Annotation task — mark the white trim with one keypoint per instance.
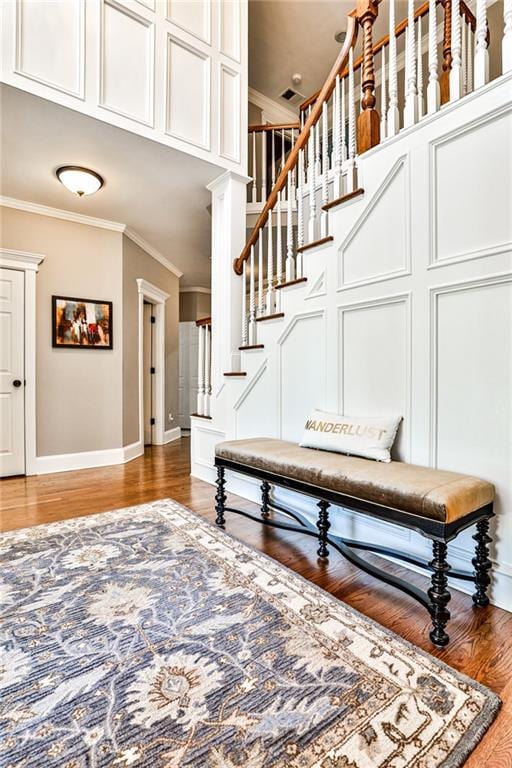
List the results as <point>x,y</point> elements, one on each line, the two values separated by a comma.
<point>66,462</point>
<point>195,289</point>
<point>227,176</point>
<point>170,435</point>
<point>29,264</point>
<point>274,112</point>
<point>90,221</point>
<point>158,298</point>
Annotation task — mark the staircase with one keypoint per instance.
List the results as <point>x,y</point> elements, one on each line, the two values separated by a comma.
<point>377,277</point>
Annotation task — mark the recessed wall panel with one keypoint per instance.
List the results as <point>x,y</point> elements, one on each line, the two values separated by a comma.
<point>229,114</point>
<point>375,363</point>
<point>229,28</point>
<point>194,16</point>
<point>127,63</point>
<point>188,93</point>
<point>50,43</point>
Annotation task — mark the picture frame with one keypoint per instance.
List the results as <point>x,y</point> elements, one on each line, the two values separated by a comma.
<point>81,323</point>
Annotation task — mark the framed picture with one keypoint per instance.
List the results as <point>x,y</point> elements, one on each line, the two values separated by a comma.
<point>81,323</point>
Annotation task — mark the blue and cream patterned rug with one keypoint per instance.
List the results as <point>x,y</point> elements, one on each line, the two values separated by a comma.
<point>147,637</point>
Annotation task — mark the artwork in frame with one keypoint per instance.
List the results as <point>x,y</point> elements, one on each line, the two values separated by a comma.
<point>81,323</point>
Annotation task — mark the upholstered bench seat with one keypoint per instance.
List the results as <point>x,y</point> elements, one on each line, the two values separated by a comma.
<point>429,493</point>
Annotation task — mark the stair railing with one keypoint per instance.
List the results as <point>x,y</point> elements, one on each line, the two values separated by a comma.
<point>269,146</point>
<point>342,121</point>
<point>204,368</point>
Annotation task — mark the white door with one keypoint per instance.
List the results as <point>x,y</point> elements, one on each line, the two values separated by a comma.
<point>12,373</point>
<point>147,363</point>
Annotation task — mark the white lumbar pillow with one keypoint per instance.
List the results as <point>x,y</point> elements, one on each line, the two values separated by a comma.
<point>364,436</point>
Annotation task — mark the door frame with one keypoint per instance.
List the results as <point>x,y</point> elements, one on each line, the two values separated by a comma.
<point>28,263</point>
<point>157,297</point>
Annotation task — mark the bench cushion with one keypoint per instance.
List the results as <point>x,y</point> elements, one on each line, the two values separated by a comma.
<point>429,493</point>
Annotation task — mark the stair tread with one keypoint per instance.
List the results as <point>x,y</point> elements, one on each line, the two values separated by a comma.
<point>235,373</point>
<point>270,317</point>
<point>343,199</point>
<point>200,416</point>
<point>291,282</point>
<point>315,243</point>
<point>252,346</point>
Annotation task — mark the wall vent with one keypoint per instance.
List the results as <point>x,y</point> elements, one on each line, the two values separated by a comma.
<point>291,96</point>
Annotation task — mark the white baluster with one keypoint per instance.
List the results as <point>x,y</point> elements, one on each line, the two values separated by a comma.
<point>383,95</point>
<point>311,184</point>
<point>456,70</point>
<point>245,327</point>
<point>351,162</point>
<point>343,118</point>
<point>421,110</point>
<point>252,303</point>
<point>469,61</point>
<point>279,241</point>
<point>290,264</point>
<point>261,299</point>
<point>283,161</point>
<point>273,174</point>
<point>270,266</point>
<point>506,43</point>
<point>254,172</point>
<point>325,171</point>
<point>263,166</point>
<point>300,213</point>
<point>433,91</point>
<point>392,116</point>
<point>200,372</point>
<point>207,369</point>
<point>294,172</point>
<point>411,92</point>
<point>481,73</point>
<point>463,44</point>
<point>318,166</point>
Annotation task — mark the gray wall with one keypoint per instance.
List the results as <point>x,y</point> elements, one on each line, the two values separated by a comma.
<point>78,390</point>
<point>137,263</point>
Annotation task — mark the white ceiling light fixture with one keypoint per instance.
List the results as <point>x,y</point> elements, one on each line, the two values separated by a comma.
<point>80,181</point>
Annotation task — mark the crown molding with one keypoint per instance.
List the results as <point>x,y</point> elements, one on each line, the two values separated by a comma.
<point>90,221</point>
<point>195,289</point>
<point>274,112</point>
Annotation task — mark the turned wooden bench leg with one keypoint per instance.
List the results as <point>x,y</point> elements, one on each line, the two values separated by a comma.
<point>220,497</point>
<point>265,500</point>
<point>481,563</point>
<point>323,526</point>
<point>439,594</point>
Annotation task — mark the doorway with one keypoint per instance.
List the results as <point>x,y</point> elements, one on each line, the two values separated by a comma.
<point>148,372</point>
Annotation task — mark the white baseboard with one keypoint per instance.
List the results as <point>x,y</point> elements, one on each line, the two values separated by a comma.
<point>66,462</point>
<point>172,434</point>
<point>364,528</point>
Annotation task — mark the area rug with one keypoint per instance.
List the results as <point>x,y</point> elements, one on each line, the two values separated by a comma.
<point>148,637</point>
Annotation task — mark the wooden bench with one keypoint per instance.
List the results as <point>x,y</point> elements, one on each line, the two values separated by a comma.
<point>436,503</point>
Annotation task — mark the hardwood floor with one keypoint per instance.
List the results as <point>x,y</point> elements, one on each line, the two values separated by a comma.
<point>481,640</point>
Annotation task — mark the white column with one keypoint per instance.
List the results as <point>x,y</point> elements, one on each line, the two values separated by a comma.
<point>456,44</point>
<point>481,72</point>
<point>290,264</point>
<point>433,92</point>
<point>200,372</point>
<point>207,370</point>
<point>229,193</point>
<point>383,95</point>
<point>392,117</point>
<point>421,110</point>
<point>506,44</point>
<point>325,172</point>
<point>411,92</point>
<point>252,302</point>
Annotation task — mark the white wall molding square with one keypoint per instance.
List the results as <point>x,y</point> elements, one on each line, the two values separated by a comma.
<point>229,28</point>
<point>194,18</point>
<point>188,100</point>
<point>229,110</point>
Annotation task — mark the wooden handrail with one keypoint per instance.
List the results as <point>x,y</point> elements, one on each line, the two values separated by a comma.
<point>204,321</point>
<point>399,30</point>
<point>293,156</point>
<point>271,127</point>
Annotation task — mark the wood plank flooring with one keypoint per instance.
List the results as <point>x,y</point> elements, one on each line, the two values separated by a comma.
<point>481,640</point>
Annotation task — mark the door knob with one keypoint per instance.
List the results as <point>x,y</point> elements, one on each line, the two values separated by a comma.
<point>16,383</point>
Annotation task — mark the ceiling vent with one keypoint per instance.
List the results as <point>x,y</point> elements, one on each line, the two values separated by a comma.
<point>291,96</point>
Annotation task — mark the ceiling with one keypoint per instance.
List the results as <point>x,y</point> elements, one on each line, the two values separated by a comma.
<point>297,36</point>
<point>157,191</point>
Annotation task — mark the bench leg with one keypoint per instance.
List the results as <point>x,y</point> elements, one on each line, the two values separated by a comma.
<point>323,526</point>
<point>439,594</point>
<point>482,563</point>
<point>220,497</point>
<point>265,500</point>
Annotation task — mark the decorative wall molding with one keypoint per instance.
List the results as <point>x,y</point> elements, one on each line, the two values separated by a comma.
<point>170,435</point>
<point>401,166</point>
<point>91,221</point>
<point>205,35</point>
<point>175,110</point>
<point>67,462</point>
<point>229,48</point>
<point>229,104</point>
<point>195,289</point>
<point>318,288</point>
<point>273,111</point>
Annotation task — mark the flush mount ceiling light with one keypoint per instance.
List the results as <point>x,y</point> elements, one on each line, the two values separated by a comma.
<point>80,181</point>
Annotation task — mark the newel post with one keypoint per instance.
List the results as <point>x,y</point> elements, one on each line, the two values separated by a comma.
<point>368,123</point>
<point>444,80</point>
<point>229,193</point>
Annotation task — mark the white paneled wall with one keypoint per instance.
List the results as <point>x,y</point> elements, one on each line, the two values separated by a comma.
<point>174,71</point>
<point>408,311</point>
